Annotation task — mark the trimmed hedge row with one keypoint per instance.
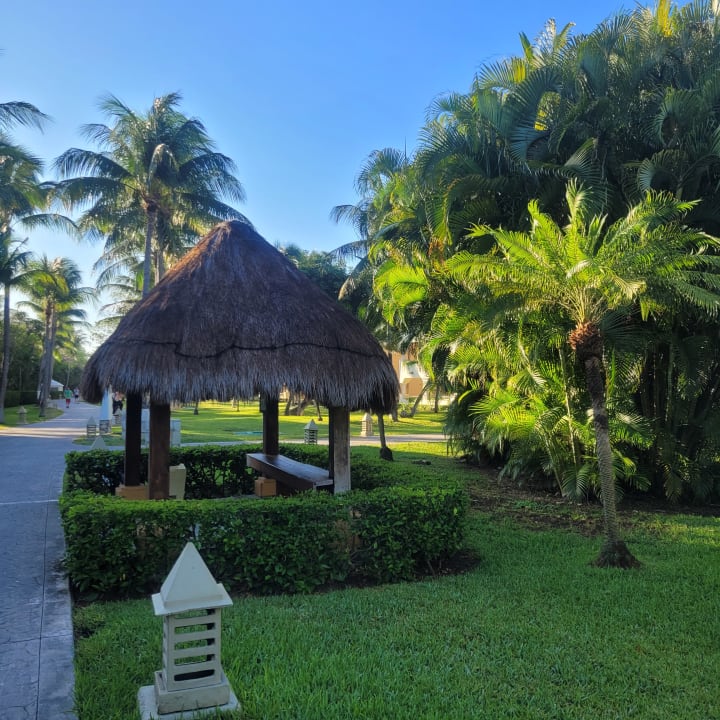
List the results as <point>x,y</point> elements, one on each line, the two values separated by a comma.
<point>15,398</point>
<point>212,471</point>
<point>121,548</point>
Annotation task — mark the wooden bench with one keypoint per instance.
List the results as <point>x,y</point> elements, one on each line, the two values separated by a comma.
<point>290,473</point>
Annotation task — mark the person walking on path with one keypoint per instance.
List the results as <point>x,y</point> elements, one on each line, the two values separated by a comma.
<point>36,641</point>
<point>67,394</point>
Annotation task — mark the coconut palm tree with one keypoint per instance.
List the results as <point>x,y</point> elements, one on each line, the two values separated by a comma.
<point>21,113</point>
<point>156,176</point>
<point>22,196</point>
<point>583,273</point>
<point>13,261</point>
<point>55,295</point>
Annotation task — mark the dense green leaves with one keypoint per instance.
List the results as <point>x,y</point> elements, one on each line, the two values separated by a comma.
<point>629,113</point>
<point>155,184</point>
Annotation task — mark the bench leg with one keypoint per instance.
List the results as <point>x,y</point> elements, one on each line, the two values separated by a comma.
<point>265,487</point>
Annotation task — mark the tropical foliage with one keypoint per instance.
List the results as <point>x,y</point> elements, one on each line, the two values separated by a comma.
<point>23,202</point>
<point>630,114</point>
<point>155,185</point>
<point>56,297</point>
<point>13,261</point>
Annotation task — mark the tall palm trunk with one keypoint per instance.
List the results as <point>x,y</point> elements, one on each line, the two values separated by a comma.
<point>159,265</point>
<point>587,342</point>
<point>45,374</point>
<point>6,352</point>
<point>147,261</point>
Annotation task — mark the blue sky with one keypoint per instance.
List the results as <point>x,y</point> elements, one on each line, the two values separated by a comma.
<point>297,94</point>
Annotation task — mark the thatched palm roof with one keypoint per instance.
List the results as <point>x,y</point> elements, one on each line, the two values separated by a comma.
<point>235,318</point>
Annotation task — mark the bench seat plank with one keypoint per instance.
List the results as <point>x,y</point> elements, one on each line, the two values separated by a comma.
<point>292,473</point>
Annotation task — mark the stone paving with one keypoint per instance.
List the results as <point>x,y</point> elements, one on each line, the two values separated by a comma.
<point>36,642</point>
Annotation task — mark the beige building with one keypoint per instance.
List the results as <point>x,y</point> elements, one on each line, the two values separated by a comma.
<point>411,376</point>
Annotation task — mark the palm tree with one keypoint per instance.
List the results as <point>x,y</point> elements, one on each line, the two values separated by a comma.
<point>13,261</point>
<point>55,295</point>
<point>20,113</point>
<point>22,195</point>
<point>155,177</point>
<point>583,274</point>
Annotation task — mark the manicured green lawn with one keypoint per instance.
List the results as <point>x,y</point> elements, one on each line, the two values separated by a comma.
<point>221,422</point>
<point>218,422</point>
<point>532,631</point>
<point>11,414</point>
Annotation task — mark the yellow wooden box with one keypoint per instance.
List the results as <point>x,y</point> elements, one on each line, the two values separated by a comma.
<point>265,487</point>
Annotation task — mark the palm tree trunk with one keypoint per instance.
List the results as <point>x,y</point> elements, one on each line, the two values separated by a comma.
<point>51,351</point>
<point>160,269</point>
<point>6,352</point>
<point>147,261</point>
<point>416,404</point>
<point>45,374</point>
<point>385,451</point>
<point>614,552</point>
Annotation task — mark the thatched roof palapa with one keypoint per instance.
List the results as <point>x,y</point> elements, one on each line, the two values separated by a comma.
<point>235,318</point>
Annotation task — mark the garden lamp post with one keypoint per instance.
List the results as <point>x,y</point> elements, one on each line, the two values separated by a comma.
<point>191,679</point>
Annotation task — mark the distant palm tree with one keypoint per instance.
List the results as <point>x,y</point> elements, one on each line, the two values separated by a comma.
<point>55,295</point>
<point>22,196</point>
<point>156,179</point>
<point>13,261</point>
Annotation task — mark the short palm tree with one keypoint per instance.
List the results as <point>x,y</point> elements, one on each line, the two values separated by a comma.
<point>156,177</point>
<point>582,274</point>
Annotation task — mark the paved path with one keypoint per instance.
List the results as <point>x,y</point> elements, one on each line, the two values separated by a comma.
<point>36,642</point>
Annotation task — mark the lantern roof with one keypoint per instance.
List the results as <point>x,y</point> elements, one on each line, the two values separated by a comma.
<point>189,586</point>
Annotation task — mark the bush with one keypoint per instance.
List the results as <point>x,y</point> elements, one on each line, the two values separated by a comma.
<point>212,471</point>
<point>121,548</point>
<point>15,398</point>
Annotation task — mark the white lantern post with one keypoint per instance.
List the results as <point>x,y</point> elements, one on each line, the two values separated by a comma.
<point>366,427</point>
<point>192,679</point>
<point>310,434</point>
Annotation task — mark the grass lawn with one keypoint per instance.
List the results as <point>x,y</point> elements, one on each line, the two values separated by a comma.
<point>217,422</point>
<point>11,414</point>
<point>221,422</point>
<point>533,631</point>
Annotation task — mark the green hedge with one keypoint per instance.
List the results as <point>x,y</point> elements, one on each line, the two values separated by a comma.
<point>212,471</point>
<point>123,548</point>
<point>15,398</point>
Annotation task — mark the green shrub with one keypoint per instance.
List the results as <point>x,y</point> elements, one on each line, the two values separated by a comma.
<point>118,547</point>
<point>14,398</point>
<point>213,471</point>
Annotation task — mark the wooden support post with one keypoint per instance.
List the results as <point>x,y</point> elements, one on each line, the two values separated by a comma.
<point>340,424</point>
<point>159,460</point>
<point>271,425</point>
<point>133,420</point>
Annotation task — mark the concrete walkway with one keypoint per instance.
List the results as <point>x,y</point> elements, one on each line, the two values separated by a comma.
<point>36,642</point>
